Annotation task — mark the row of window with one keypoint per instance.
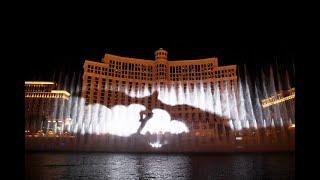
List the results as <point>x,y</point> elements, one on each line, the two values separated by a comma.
<point>162,75</point>
<point>39,88</point>
<point>144,72</point>
<point>191,68</point>
<point>115,84</point>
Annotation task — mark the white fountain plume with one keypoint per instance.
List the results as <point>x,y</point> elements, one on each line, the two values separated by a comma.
<point>102,119</point>
<point>241,105</point>
<point>248,102</point>
<point>258,108</point>
<point>217,100</point>
<point>266,111</point>
<point>87,118</point>
<point>276,109</point>
<point>188,96</point>
<point>181,95</point>
<point>195,100</point>
<point>95,118</point>
<point>209,99</point>
<point>202,98</point>
<point>234,109</point>
<point>172,95</point>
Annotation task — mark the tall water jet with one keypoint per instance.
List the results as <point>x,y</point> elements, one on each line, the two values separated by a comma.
<point>146,93</point>
<point>166,94</point>
<point>87,119</point>
<point>225,102</point>
<point>72,99</point>
<point>273,92</point>
<point>209,99</point>
<point>55,112</point>
<point>290,104</point>
<point>234,109</point>
<point>241,104</point>
<point>172,95</point>
<point>71,88</point>
<point>62,108</point>
<point>201,97</point>
<point>195,98</point>
<point>77,107</point>
<point>102,119</point>
<point>217,100</point>
<point>265,94</point>
<point>76,97</point>
<point>258,108</point>
<point>95,118</point>
<point>188,96</point>
<point>283,110</point>
<point>181,94</point>
<point>132,93</point>
<point>248,101</point>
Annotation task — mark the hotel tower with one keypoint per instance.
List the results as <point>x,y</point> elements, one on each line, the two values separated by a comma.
<point>116,78</point>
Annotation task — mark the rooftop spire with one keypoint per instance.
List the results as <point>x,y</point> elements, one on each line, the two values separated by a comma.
<point>161,54</point>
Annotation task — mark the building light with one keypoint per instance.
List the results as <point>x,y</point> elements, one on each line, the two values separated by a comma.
<point>292,126</point>
<point>278,99</point>
<point>48,95</point>
<point>39,82</point>
<point>60,92</point>
<point>238,138</point>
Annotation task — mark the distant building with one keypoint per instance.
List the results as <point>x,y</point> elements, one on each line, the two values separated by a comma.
<point>42,103</point>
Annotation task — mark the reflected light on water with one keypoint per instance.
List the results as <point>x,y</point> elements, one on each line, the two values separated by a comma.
<point>158,166</point>
<point>156,145</point>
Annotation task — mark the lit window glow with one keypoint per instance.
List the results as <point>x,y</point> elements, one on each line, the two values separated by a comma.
<point>39,82</point>
<point>278,99</point>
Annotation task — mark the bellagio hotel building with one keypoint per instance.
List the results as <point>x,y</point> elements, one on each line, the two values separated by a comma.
<point>103,82</point>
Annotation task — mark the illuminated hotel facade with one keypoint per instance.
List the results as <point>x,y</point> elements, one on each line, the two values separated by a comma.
<point>104,81</point>
<point>42,101</point>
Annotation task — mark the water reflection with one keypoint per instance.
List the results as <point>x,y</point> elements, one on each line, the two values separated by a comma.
<point>158,166</point>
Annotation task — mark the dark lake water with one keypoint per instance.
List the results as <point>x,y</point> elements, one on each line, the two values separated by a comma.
<point>159,166</point>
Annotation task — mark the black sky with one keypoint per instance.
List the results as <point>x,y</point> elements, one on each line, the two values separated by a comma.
<point>44,63</point>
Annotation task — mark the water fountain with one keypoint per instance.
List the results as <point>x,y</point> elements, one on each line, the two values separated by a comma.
<point>239,104</point>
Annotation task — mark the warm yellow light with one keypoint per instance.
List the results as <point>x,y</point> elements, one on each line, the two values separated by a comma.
<point>60,91</point>
<point>53,94</point>
<point>292,126</point>
<point>38,82</point>
<point>276,100</point>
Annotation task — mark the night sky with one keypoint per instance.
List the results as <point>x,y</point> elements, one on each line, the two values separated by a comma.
<point>69,60</point>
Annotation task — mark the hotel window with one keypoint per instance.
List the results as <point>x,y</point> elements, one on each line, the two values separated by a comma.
<point>123,88</point>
